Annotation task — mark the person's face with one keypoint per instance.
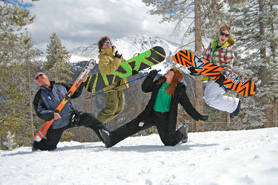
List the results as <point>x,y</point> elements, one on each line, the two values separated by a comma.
<point>169,75</point>
<point>42,79</point>
<point>224,36</point>
<point>107,44</point>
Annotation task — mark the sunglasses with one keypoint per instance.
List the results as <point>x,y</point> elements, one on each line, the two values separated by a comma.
<point>173,70</point>
<point>105,43</point>
<point>224,34</point>
<point>38,76</point>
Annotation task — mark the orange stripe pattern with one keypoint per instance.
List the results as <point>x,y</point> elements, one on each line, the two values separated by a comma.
<point>240,84</point>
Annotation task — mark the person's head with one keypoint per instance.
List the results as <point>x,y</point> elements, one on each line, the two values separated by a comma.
<point>104,43</point>
<point>224,33</point>
<point>173,76</point>
<point>42,79</point>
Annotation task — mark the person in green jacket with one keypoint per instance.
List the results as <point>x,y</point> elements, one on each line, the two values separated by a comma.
<point>109,61</point>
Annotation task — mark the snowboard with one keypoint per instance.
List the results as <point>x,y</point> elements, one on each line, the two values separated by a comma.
<point>142,61</point>
<point>238,83</point>
<point>86,70</point>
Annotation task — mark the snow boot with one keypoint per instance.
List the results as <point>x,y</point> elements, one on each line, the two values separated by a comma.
<point>184,130</point>
<point>236,112</point>
<point>105,134</point>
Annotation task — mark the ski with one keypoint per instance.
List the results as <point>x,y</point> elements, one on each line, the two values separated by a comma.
<point>86,70</point>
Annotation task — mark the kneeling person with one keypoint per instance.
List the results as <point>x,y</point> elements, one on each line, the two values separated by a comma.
<point>161,111</point>
<point>46,101</point>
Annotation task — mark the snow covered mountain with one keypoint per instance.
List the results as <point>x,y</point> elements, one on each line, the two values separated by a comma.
<point>128,46</point>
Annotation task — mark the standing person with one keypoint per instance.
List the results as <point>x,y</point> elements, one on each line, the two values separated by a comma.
<point>109,61</point>
<point>220,52</point>
<point>45,102</point>
<point>161,111</point>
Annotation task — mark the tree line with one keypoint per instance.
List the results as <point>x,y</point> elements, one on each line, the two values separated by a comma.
<point>254,24</point>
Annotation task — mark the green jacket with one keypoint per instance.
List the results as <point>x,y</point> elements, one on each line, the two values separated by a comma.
<point>108,64</point>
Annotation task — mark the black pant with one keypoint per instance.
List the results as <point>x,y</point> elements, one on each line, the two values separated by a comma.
<point>160,120</point>
<point>53,136</point>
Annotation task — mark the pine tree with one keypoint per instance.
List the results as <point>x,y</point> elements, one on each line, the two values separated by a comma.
<point>255,22</point>
<point>57,66</point>
<point>14,50</point>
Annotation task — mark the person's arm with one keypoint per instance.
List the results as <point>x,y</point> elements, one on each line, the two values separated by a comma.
<point>108,64</point>
<point>148,84</point>
<point>40,109</point>
<point>188,107</point>
<point>78,91</point>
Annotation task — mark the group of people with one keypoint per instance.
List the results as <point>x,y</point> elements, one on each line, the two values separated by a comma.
<point>161,111</point>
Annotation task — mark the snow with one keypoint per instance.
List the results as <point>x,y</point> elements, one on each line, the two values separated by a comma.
<point>247,157</point>
<point>76,58</point>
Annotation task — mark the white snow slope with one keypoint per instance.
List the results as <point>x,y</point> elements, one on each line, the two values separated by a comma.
<point>210,158</point>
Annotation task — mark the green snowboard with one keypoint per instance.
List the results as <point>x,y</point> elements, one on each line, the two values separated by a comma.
<point>142,61</point>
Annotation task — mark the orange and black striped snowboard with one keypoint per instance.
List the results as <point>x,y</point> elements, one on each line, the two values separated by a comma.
<point>240,84</point>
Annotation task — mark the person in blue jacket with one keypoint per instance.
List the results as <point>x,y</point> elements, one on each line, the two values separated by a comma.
<point>46,101</point>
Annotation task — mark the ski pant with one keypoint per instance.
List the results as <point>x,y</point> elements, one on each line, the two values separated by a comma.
<point>214,97</point>
<point>114,105</point>
<point>158,119</point>
<point>53,136</point>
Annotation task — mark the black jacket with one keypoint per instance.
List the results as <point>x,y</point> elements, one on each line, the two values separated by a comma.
<point>180,96</point>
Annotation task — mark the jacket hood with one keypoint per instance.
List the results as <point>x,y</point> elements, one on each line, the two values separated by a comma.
<point>108,51</point>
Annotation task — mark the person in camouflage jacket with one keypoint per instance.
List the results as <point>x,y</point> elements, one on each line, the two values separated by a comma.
<point>109,61</point>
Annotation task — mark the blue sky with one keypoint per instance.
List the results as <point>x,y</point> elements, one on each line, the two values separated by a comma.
<point>24,5</point>
<point>83,22</point>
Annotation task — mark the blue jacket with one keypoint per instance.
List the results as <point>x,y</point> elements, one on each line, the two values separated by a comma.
<point>47,100</point>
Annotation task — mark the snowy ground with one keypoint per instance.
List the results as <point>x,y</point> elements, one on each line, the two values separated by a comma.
<point>209,158</point>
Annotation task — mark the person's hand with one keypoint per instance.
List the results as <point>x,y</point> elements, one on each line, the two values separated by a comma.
<point>204,118</point>
<point>220,80</point>
<point>117,55</point>
<point>153,73</point>
<point>134,72</point>
<point>56,116</point>
<point>84,79</point>
<point>193,72</point>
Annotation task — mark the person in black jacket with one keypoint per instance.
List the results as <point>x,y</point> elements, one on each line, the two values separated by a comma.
<point>46,101</point>
<point>161,110</point>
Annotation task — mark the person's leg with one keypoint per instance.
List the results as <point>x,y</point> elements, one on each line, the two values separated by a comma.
<point>121,103</point>
<point>111,104</point>
<point>53,136</point>
<point>88,120</point>
<point>125,131</point>
<point>168,135</point>
<point>214,97</point>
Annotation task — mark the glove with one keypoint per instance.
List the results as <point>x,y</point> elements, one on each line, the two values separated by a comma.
<point>220,80</point>
<point>117,55</point>
<point>153,73</point>
<point>193,72</point>
<point>204,118</point>
<point>134,72</point>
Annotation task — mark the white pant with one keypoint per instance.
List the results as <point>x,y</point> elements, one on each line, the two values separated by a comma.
<point>214,97</point>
